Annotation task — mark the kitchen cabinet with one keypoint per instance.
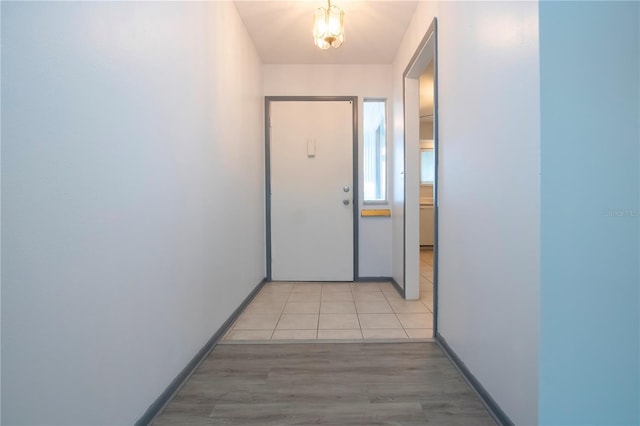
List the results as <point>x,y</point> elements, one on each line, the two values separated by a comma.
<point>426,225</point>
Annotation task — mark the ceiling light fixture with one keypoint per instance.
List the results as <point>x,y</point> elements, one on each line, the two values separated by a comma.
<point>328,28</point>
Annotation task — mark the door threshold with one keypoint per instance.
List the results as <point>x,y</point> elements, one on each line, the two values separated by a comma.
<point>332,341</point>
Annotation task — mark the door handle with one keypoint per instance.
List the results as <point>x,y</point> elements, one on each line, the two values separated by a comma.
<point>346,201</point>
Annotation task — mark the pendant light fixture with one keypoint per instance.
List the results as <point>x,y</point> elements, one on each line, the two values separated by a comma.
<point>328,28</point>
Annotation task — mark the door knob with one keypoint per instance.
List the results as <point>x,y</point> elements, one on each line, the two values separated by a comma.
<point>345,201</point>
<point>346,188</point>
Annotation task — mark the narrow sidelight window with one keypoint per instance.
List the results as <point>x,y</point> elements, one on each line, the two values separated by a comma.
<point>375,151</point>
<point>427,165</point>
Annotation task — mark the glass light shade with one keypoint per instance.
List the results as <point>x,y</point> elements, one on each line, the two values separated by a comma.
<point>328,28</point>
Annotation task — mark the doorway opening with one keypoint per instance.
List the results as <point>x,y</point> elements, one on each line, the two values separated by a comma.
<point>421,172</point>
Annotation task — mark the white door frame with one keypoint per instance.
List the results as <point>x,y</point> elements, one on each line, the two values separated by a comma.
<point>267,156</point>
<point>426,51</point>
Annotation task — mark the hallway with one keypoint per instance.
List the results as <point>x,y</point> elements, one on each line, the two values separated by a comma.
<point>327,384</point>
<point>136,213</point>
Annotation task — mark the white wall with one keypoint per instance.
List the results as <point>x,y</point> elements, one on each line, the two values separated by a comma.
<point>489,234</point>
<point>396,174</point>
<point>372,81</point>
<point>132,199</point>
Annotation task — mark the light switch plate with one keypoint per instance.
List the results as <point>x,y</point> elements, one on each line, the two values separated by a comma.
<point>311,148</point>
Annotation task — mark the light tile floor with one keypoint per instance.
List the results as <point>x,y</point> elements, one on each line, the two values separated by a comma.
<point>285,311</point>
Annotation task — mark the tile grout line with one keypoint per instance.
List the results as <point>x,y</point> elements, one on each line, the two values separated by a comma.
<point>319,310</point>
<point>319,313</point>
<point>282,311</point>
<point>397,318</point>
<point>355,306</point>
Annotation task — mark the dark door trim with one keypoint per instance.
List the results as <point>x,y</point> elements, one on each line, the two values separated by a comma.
<point>267,157</point>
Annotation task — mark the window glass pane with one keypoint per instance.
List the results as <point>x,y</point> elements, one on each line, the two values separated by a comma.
<point>375,151</point>
<point>427,166</point>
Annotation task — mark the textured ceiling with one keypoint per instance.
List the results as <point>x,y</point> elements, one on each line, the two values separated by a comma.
<point>282,30</point>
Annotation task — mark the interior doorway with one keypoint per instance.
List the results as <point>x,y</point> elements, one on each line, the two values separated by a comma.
<point>427,158</point>
<point>421,170</point>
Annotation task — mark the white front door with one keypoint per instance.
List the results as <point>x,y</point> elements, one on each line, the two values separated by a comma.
<point>311,169</point>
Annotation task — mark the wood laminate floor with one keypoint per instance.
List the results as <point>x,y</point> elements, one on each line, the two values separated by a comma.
<point>326,384</point>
